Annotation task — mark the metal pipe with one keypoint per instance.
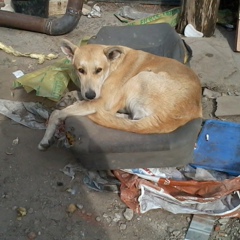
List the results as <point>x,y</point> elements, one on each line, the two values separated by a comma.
<point>50,26</point>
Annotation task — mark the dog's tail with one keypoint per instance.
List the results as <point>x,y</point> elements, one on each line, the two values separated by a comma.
<point>147,125</point>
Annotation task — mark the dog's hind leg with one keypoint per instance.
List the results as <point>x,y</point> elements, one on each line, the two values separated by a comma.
<point>146,125</point>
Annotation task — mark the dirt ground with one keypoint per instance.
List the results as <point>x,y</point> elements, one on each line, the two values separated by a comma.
<point>32,179</point>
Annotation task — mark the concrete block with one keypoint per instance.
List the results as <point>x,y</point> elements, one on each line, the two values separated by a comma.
<point>228,106</point>
<point>211,94</point>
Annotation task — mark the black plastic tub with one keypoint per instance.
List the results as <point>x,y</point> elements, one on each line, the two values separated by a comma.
<point>32,7</point>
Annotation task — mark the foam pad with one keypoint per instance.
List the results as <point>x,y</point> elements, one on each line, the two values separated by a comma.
<point>100,148</point>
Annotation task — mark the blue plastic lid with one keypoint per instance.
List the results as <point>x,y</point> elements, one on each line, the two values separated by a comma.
<point>218,147</point>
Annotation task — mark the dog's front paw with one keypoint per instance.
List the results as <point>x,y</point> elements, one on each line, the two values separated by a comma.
<point>68,99</point>
<point>43,146</point>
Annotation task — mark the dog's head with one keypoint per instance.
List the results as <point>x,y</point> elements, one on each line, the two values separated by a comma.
<point>94,63</point>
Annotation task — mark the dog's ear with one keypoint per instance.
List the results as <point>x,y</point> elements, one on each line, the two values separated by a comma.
<point>68,48</point>
<point>113,53</point>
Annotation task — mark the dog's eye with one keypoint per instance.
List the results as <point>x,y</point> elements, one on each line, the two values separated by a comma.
<point>81,70</point>
<point>98,70</point>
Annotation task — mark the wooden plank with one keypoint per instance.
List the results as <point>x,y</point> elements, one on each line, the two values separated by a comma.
<point>238,36</point>
<point>238,30</point>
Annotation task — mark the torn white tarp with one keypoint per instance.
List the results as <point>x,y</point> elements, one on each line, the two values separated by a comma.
<point>151,198</point>
<point>29,114</point>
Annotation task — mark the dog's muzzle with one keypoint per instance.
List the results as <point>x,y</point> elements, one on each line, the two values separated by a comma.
<point>90,94</point>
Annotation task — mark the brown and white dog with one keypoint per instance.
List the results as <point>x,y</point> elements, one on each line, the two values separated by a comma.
<point>159,94</point>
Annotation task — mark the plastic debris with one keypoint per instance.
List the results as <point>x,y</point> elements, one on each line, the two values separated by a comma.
<point>190,31</point>
<point>50,82</point>
<point>71,169</point>
<point>96,182</point>
<point>132,14</point>
<point>95,12</point>
<point>18,73</point>
<point>154,174</point>
<point>41,57</point>
<point>29,114</point>
<point>170,16</point>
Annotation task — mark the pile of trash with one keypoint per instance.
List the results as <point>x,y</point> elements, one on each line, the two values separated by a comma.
<point>187,191</point>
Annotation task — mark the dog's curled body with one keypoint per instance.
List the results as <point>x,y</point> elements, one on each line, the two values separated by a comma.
<point>160,94</point>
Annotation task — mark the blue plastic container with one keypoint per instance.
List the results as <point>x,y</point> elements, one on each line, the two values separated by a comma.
<point>218,147</point>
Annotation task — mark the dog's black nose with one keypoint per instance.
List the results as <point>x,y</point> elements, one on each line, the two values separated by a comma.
<point>90,94</point>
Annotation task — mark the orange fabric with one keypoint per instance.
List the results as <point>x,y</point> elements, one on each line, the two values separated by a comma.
<point>200,190</point>
<point>204,191</point>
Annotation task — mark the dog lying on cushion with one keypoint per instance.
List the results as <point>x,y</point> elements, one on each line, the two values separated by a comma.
<point>159,94</point>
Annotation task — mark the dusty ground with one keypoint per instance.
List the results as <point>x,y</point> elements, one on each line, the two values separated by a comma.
<point>32,180</point>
